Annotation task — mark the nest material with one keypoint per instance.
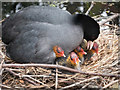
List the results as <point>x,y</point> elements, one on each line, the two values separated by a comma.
<point>43,78</point>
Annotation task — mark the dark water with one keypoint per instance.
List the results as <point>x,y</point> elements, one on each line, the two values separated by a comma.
<point>99,8</point>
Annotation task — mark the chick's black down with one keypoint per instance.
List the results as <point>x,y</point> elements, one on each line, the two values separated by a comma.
<point>31,33</point>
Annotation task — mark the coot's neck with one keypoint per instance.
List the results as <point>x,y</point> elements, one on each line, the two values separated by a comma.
<point>77,19</point>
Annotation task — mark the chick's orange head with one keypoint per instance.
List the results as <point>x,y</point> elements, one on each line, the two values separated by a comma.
<point>58,51</point>
<point>74,58</point>
<point>80,50</point>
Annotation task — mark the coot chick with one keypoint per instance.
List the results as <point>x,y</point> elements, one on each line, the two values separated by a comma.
<point>58,52</point>
<point>71,61</point>
<point>31,33</point>
<point>92,52</point>
<point>80,53</point>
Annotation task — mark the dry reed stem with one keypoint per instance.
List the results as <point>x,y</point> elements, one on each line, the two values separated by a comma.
<point>111,83</point>
<point>77,83</point>
<point>56,78</point>
<point>91,6</point>
<point>109,19</point>
<point>85,86</point>
<point>4,86</point>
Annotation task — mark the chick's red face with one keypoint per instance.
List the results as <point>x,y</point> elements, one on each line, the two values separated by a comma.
<point>60,52</point>
<point>95,47</point>
<point>74,58</point>
<point>80,50</point>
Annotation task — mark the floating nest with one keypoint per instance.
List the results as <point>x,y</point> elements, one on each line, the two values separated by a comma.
<point>44,78</point>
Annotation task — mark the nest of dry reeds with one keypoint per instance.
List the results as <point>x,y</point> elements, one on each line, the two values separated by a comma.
<point>106,62</point>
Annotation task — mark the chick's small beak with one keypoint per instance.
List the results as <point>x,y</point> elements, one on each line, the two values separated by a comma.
<point>84,53</point>
<point>89,45</point>
<point>64,55</point>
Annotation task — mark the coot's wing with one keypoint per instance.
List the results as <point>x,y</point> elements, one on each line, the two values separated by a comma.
<point>30,14</point>
<point>31,44</point>
<point>45,14</point>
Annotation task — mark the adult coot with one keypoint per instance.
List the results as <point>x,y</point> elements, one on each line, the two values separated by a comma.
<point>31,33</point>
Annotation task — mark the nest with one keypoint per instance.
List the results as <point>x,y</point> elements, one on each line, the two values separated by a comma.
<point>45,78</point>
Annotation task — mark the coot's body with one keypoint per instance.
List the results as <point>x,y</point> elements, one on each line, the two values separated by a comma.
<point>31,33</point>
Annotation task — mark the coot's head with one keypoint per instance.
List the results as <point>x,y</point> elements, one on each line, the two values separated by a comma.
<point>90,28</point>
<point>80,52</point>
<point>59,52</point>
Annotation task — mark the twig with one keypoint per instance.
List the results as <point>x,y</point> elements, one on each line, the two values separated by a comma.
<point>59,67</point>
<point>4,86</point>
<point>111,25</point>
<point>100,18</point>
<point>17,70</point>
<point>116,72</point>
<point>111,83</point>
<point>35,76</point>
<point>42,69</point>
<point>1,63</point>
<point>15,74</point>
<point>1,69</point>
<point>56,79</point>
<point>85,86</point>
<point>39,82</point>
<point>109,19</point>
<point>75,84</point>
<point>62,80</point>
<point>113,64</point>
<point>37,87</point>
<point>31,81</point>
<point>91,6</point>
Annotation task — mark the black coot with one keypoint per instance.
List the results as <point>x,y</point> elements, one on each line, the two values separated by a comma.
<point>31,33</point>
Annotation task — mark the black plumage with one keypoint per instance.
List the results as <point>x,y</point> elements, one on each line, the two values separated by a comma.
<point>31,33</point>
